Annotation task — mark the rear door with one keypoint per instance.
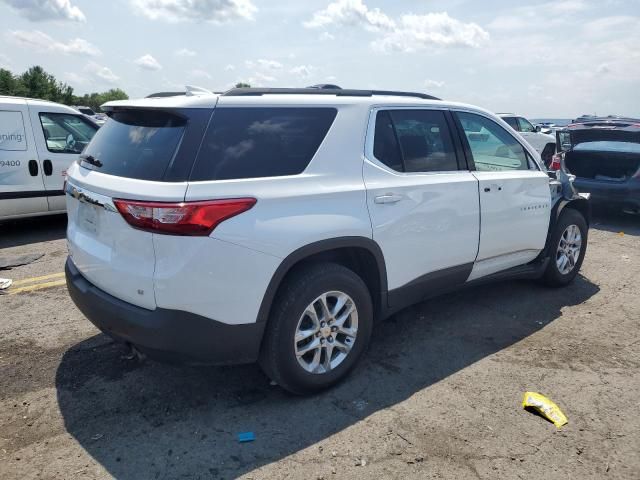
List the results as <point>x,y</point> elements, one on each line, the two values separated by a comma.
<point>21,186</point>
<point>60,137</point>
<point>515,199</point>
<point>423,203</point>
<point>140,155</point>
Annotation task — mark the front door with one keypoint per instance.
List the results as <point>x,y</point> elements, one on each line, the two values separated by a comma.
<point>515,199</point>
<point>60,137</point>
<point>21,187</point>
<point>424,207</point>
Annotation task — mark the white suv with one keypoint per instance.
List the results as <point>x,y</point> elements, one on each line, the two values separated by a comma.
<point>544,143</point>
<point>278,224</point>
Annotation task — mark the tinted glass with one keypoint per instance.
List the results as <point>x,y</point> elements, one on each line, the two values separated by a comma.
<point>261,142</point>
<point>65,133</point>
<point>385,144</point>
<point>492,147</point>
<point>137,144</point>
<point>425,140</point>
<point>525,125</point>
<point>513,122</point>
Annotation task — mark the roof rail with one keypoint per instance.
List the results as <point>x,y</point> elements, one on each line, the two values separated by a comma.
<point>339,92</point>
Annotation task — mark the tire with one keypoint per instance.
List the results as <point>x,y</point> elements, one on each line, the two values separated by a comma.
<point>302,293</point>
<point>547,152</point>
<point>555,275</point>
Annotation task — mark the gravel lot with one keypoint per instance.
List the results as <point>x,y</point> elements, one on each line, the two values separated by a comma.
<point>438,395</point>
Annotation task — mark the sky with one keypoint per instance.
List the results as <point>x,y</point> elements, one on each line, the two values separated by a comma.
<point>541,59</point>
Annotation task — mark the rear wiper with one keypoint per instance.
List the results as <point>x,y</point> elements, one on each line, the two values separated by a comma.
<point>91,159</point>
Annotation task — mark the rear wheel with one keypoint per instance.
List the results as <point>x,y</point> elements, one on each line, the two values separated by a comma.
<point>567,248</point>
<point>320,326</point>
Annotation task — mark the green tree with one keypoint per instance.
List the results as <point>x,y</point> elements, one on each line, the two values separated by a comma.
<point>242,85</point>
<point>9,84</point>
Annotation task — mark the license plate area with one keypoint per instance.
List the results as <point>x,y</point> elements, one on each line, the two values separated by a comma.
<point>88,218</point>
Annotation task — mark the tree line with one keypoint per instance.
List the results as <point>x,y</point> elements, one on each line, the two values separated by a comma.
<point>37,83</point>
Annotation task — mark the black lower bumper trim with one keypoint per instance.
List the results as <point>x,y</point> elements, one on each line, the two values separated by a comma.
<point>171,335</point>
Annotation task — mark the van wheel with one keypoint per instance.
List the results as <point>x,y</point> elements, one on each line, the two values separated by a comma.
<point>319,328</point>
<point>567,247</point>
<point>547,152</point>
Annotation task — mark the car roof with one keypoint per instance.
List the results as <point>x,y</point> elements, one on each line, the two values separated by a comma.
<point>201,98</point>
<point>35,102</point>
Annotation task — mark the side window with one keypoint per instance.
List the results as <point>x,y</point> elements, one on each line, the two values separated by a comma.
<point>261,142</point>
<point>525,125</point>
<point>492,147</point>
<point>12,134</point>
<point>513,123</point>
<point>66,133</point>
<point>423,138</point>
<point>385,143</point>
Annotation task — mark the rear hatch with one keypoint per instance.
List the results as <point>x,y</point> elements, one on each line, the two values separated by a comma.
<point>140,157</point>
<point>608,152</point>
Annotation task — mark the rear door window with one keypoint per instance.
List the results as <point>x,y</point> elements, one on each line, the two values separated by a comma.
<point>261,142</point>
<point>414,140</point>
<point>513,123</point>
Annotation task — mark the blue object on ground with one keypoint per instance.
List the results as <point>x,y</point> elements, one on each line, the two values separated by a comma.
<point>246,437</point>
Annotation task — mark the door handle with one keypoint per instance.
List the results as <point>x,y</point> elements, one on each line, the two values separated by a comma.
<point>33,168</point>
<point>47,167</point>
<point>388,198</point>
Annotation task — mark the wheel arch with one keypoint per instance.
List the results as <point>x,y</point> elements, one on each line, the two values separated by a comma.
<point>360,254</point>
<point>578,203</point>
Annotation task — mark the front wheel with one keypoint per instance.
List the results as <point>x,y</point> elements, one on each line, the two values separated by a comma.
<point>320,326</point>
<point>567,247</point>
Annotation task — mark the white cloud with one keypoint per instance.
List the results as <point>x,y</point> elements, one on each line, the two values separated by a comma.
<point>530,17</point>
<point>261,77</point>
<point>200,74</point>
<point>215,11</point>
<point>229,68</point>
<point>39,10</point>
<point>419,32</point>
<point>349,13</point>
<point>408,33</point>
<point>433,84</point>
<point>185,52</point>
<point>327,36</point>
<point>147,62</point>
<point>35,39</point>
<point>75,79</point>
<point>101,72</point>
<point>263,64</point>
<point>303,71</point>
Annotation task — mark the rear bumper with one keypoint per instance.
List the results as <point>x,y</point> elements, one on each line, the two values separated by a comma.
<point>621,194</point>
<point>165,334</point>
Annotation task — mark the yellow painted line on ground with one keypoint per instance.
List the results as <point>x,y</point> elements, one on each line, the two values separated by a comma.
<point>39,286</point>
<point>38,279</point>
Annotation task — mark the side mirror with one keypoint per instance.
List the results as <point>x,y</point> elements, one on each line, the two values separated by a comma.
<point>538,128</point>
<point>71,142</point>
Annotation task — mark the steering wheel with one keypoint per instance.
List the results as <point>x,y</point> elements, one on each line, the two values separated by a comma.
<point>71,143</point>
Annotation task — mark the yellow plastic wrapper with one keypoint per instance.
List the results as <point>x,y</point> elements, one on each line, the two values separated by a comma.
<point>544,407</point>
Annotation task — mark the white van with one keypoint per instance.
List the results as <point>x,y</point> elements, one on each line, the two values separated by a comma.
<point>38,142</point>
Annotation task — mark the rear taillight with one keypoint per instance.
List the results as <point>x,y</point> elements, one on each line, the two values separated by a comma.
<point>556,162</point>
<point>184,218</point>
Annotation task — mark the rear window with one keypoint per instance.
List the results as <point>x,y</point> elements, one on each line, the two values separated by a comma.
<point>139,144</point>
<point>261,142</point>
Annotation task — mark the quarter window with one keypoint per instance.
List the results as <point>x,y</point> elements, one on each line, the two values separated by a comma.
<point>525,125</point>
<point>492,147</point>
<point>513,123</point>
<point>261,142</point>
<point>65,133</point>
<point>413,140</point>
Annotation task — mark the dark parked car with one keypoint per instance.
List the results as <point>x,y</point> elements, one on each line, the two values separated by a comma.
<point>604,155</point>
